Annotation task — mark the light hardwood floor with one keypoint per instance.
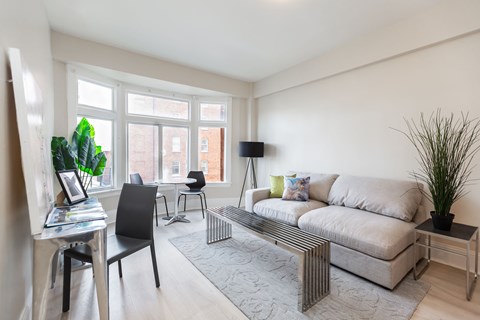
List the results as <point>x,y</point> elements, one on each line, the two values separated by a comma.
<point>185,293</point>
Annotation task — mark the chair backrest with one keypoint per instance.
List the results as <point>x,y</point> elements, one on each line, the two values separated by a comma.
<point>134,211</point>
<point>135,178</point>
<point>198,175</point>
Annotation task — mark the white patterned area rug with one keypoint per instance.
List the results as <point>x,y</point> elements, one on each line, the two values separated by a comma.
<point>261,280</point>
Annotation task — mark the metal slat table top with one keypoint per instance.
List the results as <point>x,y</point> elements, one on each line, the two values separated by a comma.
<point>271,228</point>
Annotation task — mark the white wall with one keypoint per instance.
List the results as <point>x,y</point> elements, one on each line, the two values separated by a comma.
<point>342,124</point>
<point>449,19</point>
<point>23,25</point>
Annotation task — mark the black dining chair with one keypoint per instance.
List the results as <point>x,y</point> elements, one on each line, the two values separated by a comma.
<point>133,232</point>
<point>135,178</point>
<point>194,189</point>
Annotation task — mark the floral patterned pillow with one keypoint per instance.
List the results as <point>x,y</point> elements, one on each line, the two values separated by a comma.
<point>296,189</point>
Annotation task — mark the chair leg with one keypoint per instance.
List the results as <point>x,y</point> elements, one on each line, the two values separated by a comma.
<point>184,202</point>
<point>154,263</point>
<point>201,204</point>
<point>166,207</point>
<point>120,274</point>
<point>205,199</point>
<point>67,273</point>
<point>156,212</point>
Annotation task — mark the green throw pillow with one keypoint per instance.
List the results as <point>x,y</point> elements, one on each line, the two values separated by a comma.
<point>277,184</point>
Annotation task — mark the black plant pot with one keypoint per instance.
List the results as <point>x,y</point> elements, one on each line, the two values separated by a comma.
<point>442,222</point>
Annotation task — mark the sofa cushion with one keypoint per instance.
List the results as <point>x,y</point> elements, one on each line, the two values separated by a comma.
<point>296,189</point>
<point>378,236</point>
<point>285,211</point>
<point>394,198</point>
<point>320,184</point>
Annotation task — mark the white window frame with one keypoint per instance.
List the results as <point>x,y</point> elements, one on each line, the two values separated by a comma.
<point>74,109</point>
<point>160,121</point>
<point>120,117</point>
<point>127,160</point>
<point>157,94</point>
<point>227,124</point>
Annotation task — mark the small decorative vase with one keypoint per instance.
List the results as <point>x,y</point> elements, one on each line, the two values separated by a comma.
<point>442,222</point>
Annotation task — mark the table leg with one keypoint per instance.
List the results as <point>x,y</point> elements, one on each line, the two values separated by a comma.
<point>99,259</point>
<point>414,254</point>
<point>54,267</point>
<point>176,217</point>
<point>470,286</point>
<point>217,229</point>
<point>418,275</point>
<point>43,252</point>
<point>467,270</point>
<point>476,256</point>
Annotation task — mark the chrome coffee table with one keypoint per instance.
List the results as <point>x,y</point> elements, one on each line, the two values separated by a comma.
<point>313,251</point>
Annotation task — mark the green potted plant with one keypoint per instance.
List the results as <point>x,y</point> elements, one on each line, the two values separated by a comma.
<point>82,154</point>
<point>446,147</point>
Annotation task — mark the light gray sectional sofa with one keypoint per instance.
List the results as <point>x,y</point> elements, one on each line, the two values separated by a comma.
<point>369,221</point>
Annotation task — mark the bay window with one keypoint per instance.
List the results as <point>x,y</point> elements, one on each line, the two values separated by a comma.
<point>160,134</point>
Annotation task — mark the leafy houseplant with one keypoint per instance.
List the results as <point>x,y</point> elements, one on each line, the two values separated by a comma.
<point>446,148</point>
<point>82,154</point>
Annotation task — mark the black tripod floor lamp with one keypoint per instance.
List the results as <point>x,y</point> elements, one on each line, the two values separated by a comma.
<point>250,150</point>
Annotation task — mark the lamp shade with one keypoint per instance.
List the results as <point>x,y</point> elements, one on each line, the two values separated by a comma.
<point>250,149</point>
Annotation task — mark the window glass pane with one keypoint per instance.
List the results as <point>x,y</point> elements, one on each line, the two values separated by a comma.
<point>95,95</point>
<point>174,163</point>
<point>204,166</point>
<point>175,168</point>
<point>212,111</point>
<point>103,138</point>
<point>214,158</point>
<point>176,146</point>
<point>159,107</point>
<point>204,145</point>
<point>143,149</point>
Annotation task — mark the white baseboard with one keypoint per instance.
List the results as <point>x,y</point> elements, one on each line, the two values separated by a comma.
<point>193,203</point>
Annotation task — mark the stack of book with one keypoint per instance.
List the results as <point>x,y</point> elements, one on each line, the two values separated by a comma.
<point>88,210</point>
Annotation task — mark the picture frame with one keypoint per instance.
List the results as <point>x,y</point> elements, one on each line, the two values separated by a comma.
<point>71,186</point>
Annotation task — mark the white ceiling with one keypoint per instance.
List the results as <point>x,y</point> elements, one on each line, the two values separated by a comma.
<point>242,39</point>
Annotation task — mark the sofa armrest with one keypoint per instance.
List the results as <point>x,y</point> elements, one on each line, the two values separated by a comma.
<point>252,196</point>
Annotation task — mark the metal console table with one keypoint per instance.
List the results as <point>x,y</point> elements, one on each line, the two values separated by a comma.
<point>46,244</point>
<point>313,251</point>
<point>459,233</point>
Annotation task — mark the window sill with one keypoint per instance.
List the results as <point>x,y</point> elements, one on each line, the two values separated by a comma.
<point>219,184</point>
<point>100,194</point>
